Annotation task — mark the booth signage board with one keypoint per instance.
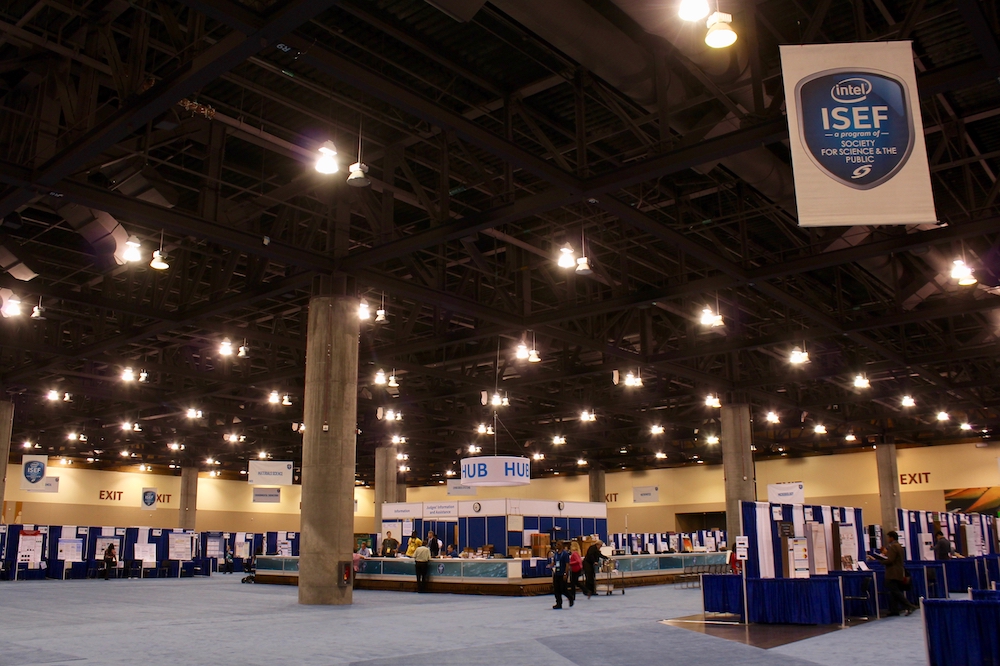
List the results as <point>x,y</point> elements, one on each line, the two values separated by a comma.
<point>145,552</point>
<point>496,471</point>
<point>848,547</point>
<point>798,558</point>
<point>816,540</point>
<point>179,546</point>
<point>402,510</point>
<point>743,541</point>
<point>786,493</point>
<point>270,472</point>
<point>440,510</point>
<point>149,499</point>
<point>855,132</point>
<point>213,547</point>
<point>267,495</point>
<point>70,550</point>
<point>742,553</point>
<point>456,487</point>
<point>50,484</point>
<point>645,494</point>
<point>33,469</point>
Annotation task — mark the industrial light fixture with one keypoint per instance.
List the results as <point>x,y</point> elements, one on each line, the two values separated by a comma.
<point>533,356</point>
<point>136,427</point>
<point>67,397</point>
<point>538,456</point>
<point>710,318</point>
<point>633,380</point>
<point>820,429</point>
<point>798,357</point>
<point>261,455</point>
<point>52,395</point>
<point>772,417</point>
<point>143,376</point>
<point>481,429</point>
<point>11,307</point>
<point>586,415</point>
<point>567,258</point>
<point>506,401</point>
<point>475,449</point>
<point>660,455</point>
<point>402,456</point>
<point>861,382</point>
<point>850,437</point>
<point>392,380</point>
<point>26,445</point>
<point>274,398</point>
<point>581,461</point>
<point>712,400</point>
<point>193,413</point>
<point>712,439</point>
<point>396,439</point>
<point>963,273</point>
<point>174,446</point>
<point>125,454</point>
<point>128,375</point>
<point>522,352</point>
<point>558,439</point>
<point>449,472</point>
<point>965,426</point>
<point>38,312</point>
<point>404,468</point>
<point>380,376</point>
<point>720,32</point>
<point>908,401</point>
<point>693,10</point>
<point>286,400</point>
<point>943,416</point>
<point>159,261</point>
<point>226,347</point>
<point>583,264</point>
<point>359,168</point>
<point>363,312</point>
<point>72,436</point>
<point>244,350</point>
<point>326,163</point>
<point>656,430</point>
<point>131,252</point>
<point>496,400</point>
<point>380,317</point>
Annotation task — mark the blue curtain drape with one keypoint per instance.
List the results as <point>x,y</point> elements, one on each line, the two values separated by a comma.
<point>749,510</point>
<point>962,574</point>
<point>794,600</point>
<point>962,633</point>
<point>986,595</point>
<point>722,594</point>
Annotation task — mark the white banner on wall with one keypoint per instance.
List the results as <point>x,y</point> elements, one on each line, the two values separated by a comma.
<point>270,472</point>
<point>33,470</point>
<point>50,484</point>
<point>401,510</point>
<point>267,495</point>
<point>148,501</point>
<point>440,510</point>
<point>787,493</point>
<point>641,494</point>
<point>856,135</point>
<point>455,487</point>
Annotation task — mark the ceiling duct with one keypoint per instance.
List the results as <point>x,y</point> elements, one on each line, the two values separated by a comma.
<point>460,10</point>
<point>12,260</point>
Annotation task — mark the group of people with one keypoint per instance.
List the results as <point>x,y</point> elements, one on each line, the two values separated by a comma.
<point>567,566</point>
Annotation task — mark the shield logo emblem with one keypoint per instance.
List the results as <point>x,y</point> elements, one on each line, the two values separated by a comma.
<point>34,471</point>
<point>855,125</point>
<point>149,498</point>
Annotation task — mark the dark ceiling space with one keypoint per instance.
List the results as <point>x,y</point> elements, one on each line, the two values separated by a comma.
<point>194,126</point>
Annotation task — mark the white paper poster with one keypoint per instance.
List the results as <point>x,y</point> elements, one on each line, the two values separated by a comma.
<point>29,547</point>
<point>786,493</point>
<point>856,134</point>
<point>145,552</point>
<point>848,547</point>
<point>267,495</point>
<point>148,501</point>
<point>644,494</point>
<point>270,472</point>
<point>70,550</point>
<point>33,469</point>
<point>179,546</point>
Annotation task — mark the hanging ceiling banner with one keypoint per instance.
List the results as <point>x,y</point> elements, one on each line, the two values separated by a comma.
<point>270,472</point>
<point>33,470</point>
<point>856,135</point>
<point>496,471</point>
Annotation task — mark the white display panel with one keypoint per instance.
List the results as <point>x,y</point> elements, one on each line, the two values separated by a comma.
<point>70,550</point>
<point>179,546</point>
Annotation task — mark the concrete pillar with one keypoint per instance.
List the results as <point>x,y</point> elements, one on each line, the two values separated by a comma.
<point>888,482</point>
<point>189,498</point>
<point>737,464</point>
<point>6,427</point>
<point>386,488</point>
<point>401,492</point>
<point>598,493</point>
<point>329,449</point>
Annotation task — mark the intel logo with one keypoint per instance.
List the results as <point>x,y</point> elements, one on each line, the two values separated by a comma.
<point>851,90</point>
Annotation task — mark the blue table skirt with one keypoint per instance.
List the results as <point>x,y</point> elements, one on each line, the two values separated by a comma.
<point>813,600</point>
<point>986,595</point>
<point>963,574</point>
<point>854,582</point>
<point>962,633</point>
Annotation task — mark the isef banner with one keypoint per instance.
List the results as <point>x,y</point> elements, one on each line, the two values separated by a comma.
<point>149,499</point>
<point>270,472</point>
<point>33,470</point>
<point>856,136</point>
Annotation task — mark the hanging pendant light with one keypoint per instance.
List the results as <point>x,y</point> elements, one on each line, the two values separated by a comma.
<point>363,311</point>
<point>392,380</point>
<point>12,307</point>
<point>131,252</point>
<point>380,376</point>
<point>567,258</point>
<point>326,163</point>
<point>38,312</point>
<point>286,400</point>
<point>720,32</point>
<point>359,170</point>
<point>693,10</point>
<point>380,317</point>
<point>522,352</point>
<point>159,261</point>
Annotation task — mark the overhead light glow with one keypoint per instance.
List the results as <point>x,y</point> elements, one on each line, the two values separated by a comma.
<point>11,307</point>
<point>861,382</point>
<point>126,426</point>
<point>720,32</point>
<point>52,395</point>
<point>798,356</point>
<point>38,312</point>
<point>567,258</point>
<point>380,376</point>
<point>449,472</point>
<point>558,439</point>
<point>326,163</point>
<point>143,376</point>
<point>244,350</point>
<point>963,273</point>
<point>131,252</point>
<point>533,356</point>
<point>72,436</point>
<point>67,397</point>
<point>27,445</point>
<point>522,352</point>
<point>587,415</point>
<point>226,347</point>
<point>481,429</point>
<point>128,375</point>
<point>772,417</point>
<point>496,400</point>
<point>908,401</point>
<point>656,430</point>
<point>712,439</point>
<point>274,398</point>
<point>965,426</point>
<point>174,446</point>
<point>850,437</point>
<point>286,400</point>
<point>193,413</point>
<point>712,400</point>
<point>475,449</point>
<point>363,311</point>
<point>660,455</point>
<point>693,10</point>
<point>943,416</point>
<point>125,454</point>
<point>402,456</point>
<point>709,318</point>
<point>820,429</point>
<point>393,383</point>
<point>581,462</point>
<point>583,266</point>
<point>538,456</point>
<point>159,261</point>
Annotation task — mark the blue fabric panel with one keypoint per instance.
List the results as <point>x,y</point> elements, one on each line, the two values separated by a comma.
<point>986,595</point>
<point>794,600</point>
<point>575,527</point>
<point>563,525</point>
<point>962,633</point>
<point>531,522</point>
<point>477,532</point>
<point>722,594</point>
<point>963,574</point>
<point>601,528</point>
<point>463,533</point>
<point>545,524</point>
<point>786,516</point>
<point>749,510</point>
<point>854,586</point>
<point>589,526</point>
<point>515,539</point>
<point>496,533</point>
<point>295,544</point>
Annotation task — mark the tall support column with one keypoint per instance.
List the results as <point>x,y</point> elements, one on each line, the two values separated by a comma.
<point>737,464</point>
<point>598,492</point>
<point>6,427</point>
<point>386,488</point>
<point>189,498</point>
<point>401,492</point>
<point>329,449</point>
<point>888,482</point>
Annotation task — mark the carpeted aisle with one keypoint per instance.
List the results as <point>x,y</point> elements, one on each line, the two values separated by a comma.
<point>220,621</point>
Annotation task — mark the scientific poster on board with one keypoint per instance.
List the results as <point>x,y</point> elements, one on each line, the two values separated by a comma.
<point>70,550</point>
<point>179,546</point>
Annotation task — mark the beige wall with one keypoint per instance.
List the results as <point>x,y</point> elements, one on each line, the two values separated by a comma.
<point>840,480</point>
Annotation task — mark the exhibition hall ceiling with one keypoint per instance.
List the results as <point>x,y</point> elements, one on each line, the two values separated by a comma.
<point>495,134</point>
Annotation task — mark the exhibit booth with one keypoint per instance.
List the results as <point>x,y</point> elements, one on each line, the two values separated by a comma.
<point>702,541</point>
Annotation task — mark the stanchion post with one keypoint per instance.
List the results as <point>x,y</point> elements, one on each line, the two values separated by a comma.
<point>746,609</point>
<point>878,611</point>
<point>927,585</point>
<point>947,587</point>
<point>843,609</point>
<point>927,640</point>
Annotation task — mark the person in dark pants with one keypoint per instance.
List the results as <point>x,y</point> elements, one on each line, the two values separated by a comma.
<point>895,573</point>
<point>560,575</point>
<point>590,562</point>
<point>422,563</point>
<point>433,544</point>
<point>110,560</point>
<point>942,547</point>
<point>228,561</point>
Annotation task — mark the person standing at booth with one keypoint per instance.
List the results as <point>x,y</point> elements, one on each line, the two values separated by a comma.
<point>433,544</point>
<point>389,545</point>
<point>942,547</point>
<point>412,545</point>
<point>895,575</point>
<point>422,564</point>
<point>110,560</point>
<point>590,562</point>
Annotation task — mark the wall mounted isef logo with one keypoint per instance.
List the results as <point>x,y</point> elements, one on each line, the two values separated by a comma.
<point>34,471</point>
<point>149,498</point>
<point>855,125</point>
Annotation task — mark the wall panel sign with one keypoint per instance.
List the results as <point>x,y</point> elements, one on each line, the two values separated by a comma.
<point>858,154</point>
<point>641,494</point>
<point>267,495</point>
<point>149,499</point>
<point>33,470</point>
<point>786,493</point>
<point>270,472</point>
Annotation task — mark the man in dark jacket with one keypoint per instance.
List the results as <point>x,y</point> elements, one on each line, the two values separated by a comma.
<point>590,561</point>
<point>560,575</point>
<point>894,575</point>
<point>942,547</point>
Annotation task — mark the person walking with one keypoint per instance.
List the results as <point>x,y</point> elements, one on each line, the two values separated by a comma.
<point>421,563</point>
<point>576,570</point>
<point>559,561</point>
<point>110,560</point>
<point>895,575</point>
<point>590,562</point>
<point>227,562</point>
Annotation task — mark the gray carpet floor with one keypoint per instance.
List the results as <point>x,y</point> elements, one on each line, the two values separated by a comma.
<point>220,621</point>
